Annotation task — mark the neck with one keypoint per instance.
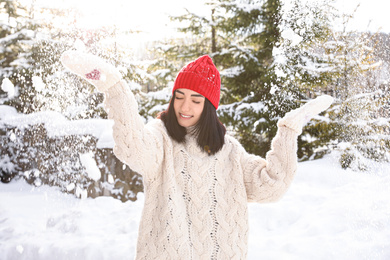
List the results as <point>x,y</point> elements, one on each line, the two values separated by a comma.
<point>191,130</point>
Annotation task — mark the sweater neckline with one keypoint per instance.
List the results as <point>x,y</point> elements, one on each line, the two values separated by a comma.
<point>192,147</point>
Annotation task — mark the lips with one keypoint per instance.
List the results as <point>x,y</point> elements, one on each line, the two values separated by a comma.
<point>185,116</point>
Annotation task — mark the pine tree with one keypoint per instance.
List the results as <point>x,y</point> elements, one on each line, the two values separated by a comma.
<point>240,37</point>
<point>339,63</point>
<point>305,69</point>
<point>30,59</point>
<point>361,124</point>
<point>249,77</point>
<point>16,32</point>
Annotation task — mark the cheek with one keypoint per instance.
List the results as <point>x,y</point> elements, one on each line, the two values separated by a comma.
<point>200,110</point>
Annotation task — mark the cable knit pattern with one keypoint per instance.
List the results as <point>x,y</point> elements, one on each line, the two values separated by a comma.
<point>195,204</point>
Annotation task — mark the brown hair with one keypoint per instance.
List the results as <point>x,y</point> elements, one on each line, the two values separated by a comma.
<point>209,130</point>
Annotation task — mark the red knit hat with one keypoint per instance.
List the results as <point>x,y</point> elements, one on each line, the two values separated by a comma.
<point>202,77</point>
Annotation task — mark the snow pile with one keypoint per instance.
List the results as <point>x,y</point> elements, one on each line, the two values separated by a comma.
<point>43,223</point>
<point>328,213</point>
<point>290,35</point>
<point>8,87</point>
<point>90,165</point>
<point>38,83</point>
<point>57,125</point>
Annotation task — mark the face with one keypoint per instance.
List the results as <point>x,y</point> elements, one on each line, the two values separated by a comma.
<point>188,106</point>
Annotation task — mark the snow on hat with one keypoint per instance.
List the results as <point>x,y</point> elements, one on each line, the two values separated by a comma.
<point>202,77</point>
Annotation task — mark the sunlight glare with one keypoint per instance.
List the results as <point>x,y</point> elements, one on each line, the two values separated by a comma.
<point>149,18</point>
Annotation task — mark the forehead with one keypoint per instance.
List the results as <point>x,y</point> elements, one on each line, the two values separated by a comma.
<point>188,92</point>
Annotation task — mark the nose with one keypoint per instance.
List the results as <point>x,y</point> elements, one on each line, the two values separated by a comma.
<point>186,105</point>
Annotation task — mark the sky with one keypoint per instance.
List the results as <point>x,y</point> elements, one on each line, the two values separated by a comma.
<point>371,14</point>
<point>151,16</point>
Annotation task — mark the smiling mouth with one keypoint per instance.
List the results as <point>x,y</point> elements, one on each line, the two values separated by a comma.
<point>184,116</point>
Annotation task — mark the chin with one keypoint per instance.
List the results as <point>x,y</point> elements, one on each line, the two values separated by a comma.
<point>186,124</point>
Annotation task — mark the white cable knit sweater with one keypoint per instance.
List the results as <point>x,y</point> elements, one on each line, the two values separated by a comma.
<point>195,204</point>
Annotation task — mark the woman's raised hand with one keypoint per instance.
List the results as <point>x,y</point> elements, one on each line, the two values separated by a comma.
<point>92,68</point>
<point>297,118</point>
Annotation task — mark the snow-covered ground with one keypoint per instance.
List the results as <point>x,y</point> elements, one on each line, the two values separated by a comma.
<point>328,213</point>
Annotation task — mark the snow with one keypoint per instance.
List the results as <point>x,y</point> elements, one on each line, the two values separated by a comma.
<point>90,165</point>
<point>290,35</point>
<point>247,7</point>
<point>164,94</point>
<point>232,72</point>
<point>236,109</point>
<point>80,46</point>
<point>328,213</point>
<point>43,223</point>
<point>38,83</point>
<point>57,125</point>
<point>8,87</point>
<point>161,72</point>
<point>158,108</point>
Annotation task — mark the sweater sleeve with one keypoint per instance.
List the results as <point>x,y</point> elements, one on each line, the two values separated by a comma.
<point>136,144</point>
<point>266,180</point>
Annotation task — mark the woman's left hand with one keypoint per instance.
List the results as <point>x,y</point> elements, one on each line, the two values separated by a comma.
<point>297,118</point>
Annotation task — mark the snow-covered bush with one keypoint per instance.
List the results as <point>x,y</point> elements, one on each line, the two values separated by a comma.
<point>45,148</point>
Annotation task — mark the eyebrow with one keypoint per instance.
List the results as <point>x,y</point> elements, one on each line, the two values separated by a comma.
<point>193,95</point>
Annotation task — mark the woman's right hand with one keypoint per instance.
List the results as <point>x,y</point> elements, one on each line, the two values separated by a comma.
<point>91,68</point>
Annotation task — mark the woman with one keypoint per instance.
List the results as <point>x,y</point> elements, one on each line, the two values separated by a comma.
<point>197,179</point>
